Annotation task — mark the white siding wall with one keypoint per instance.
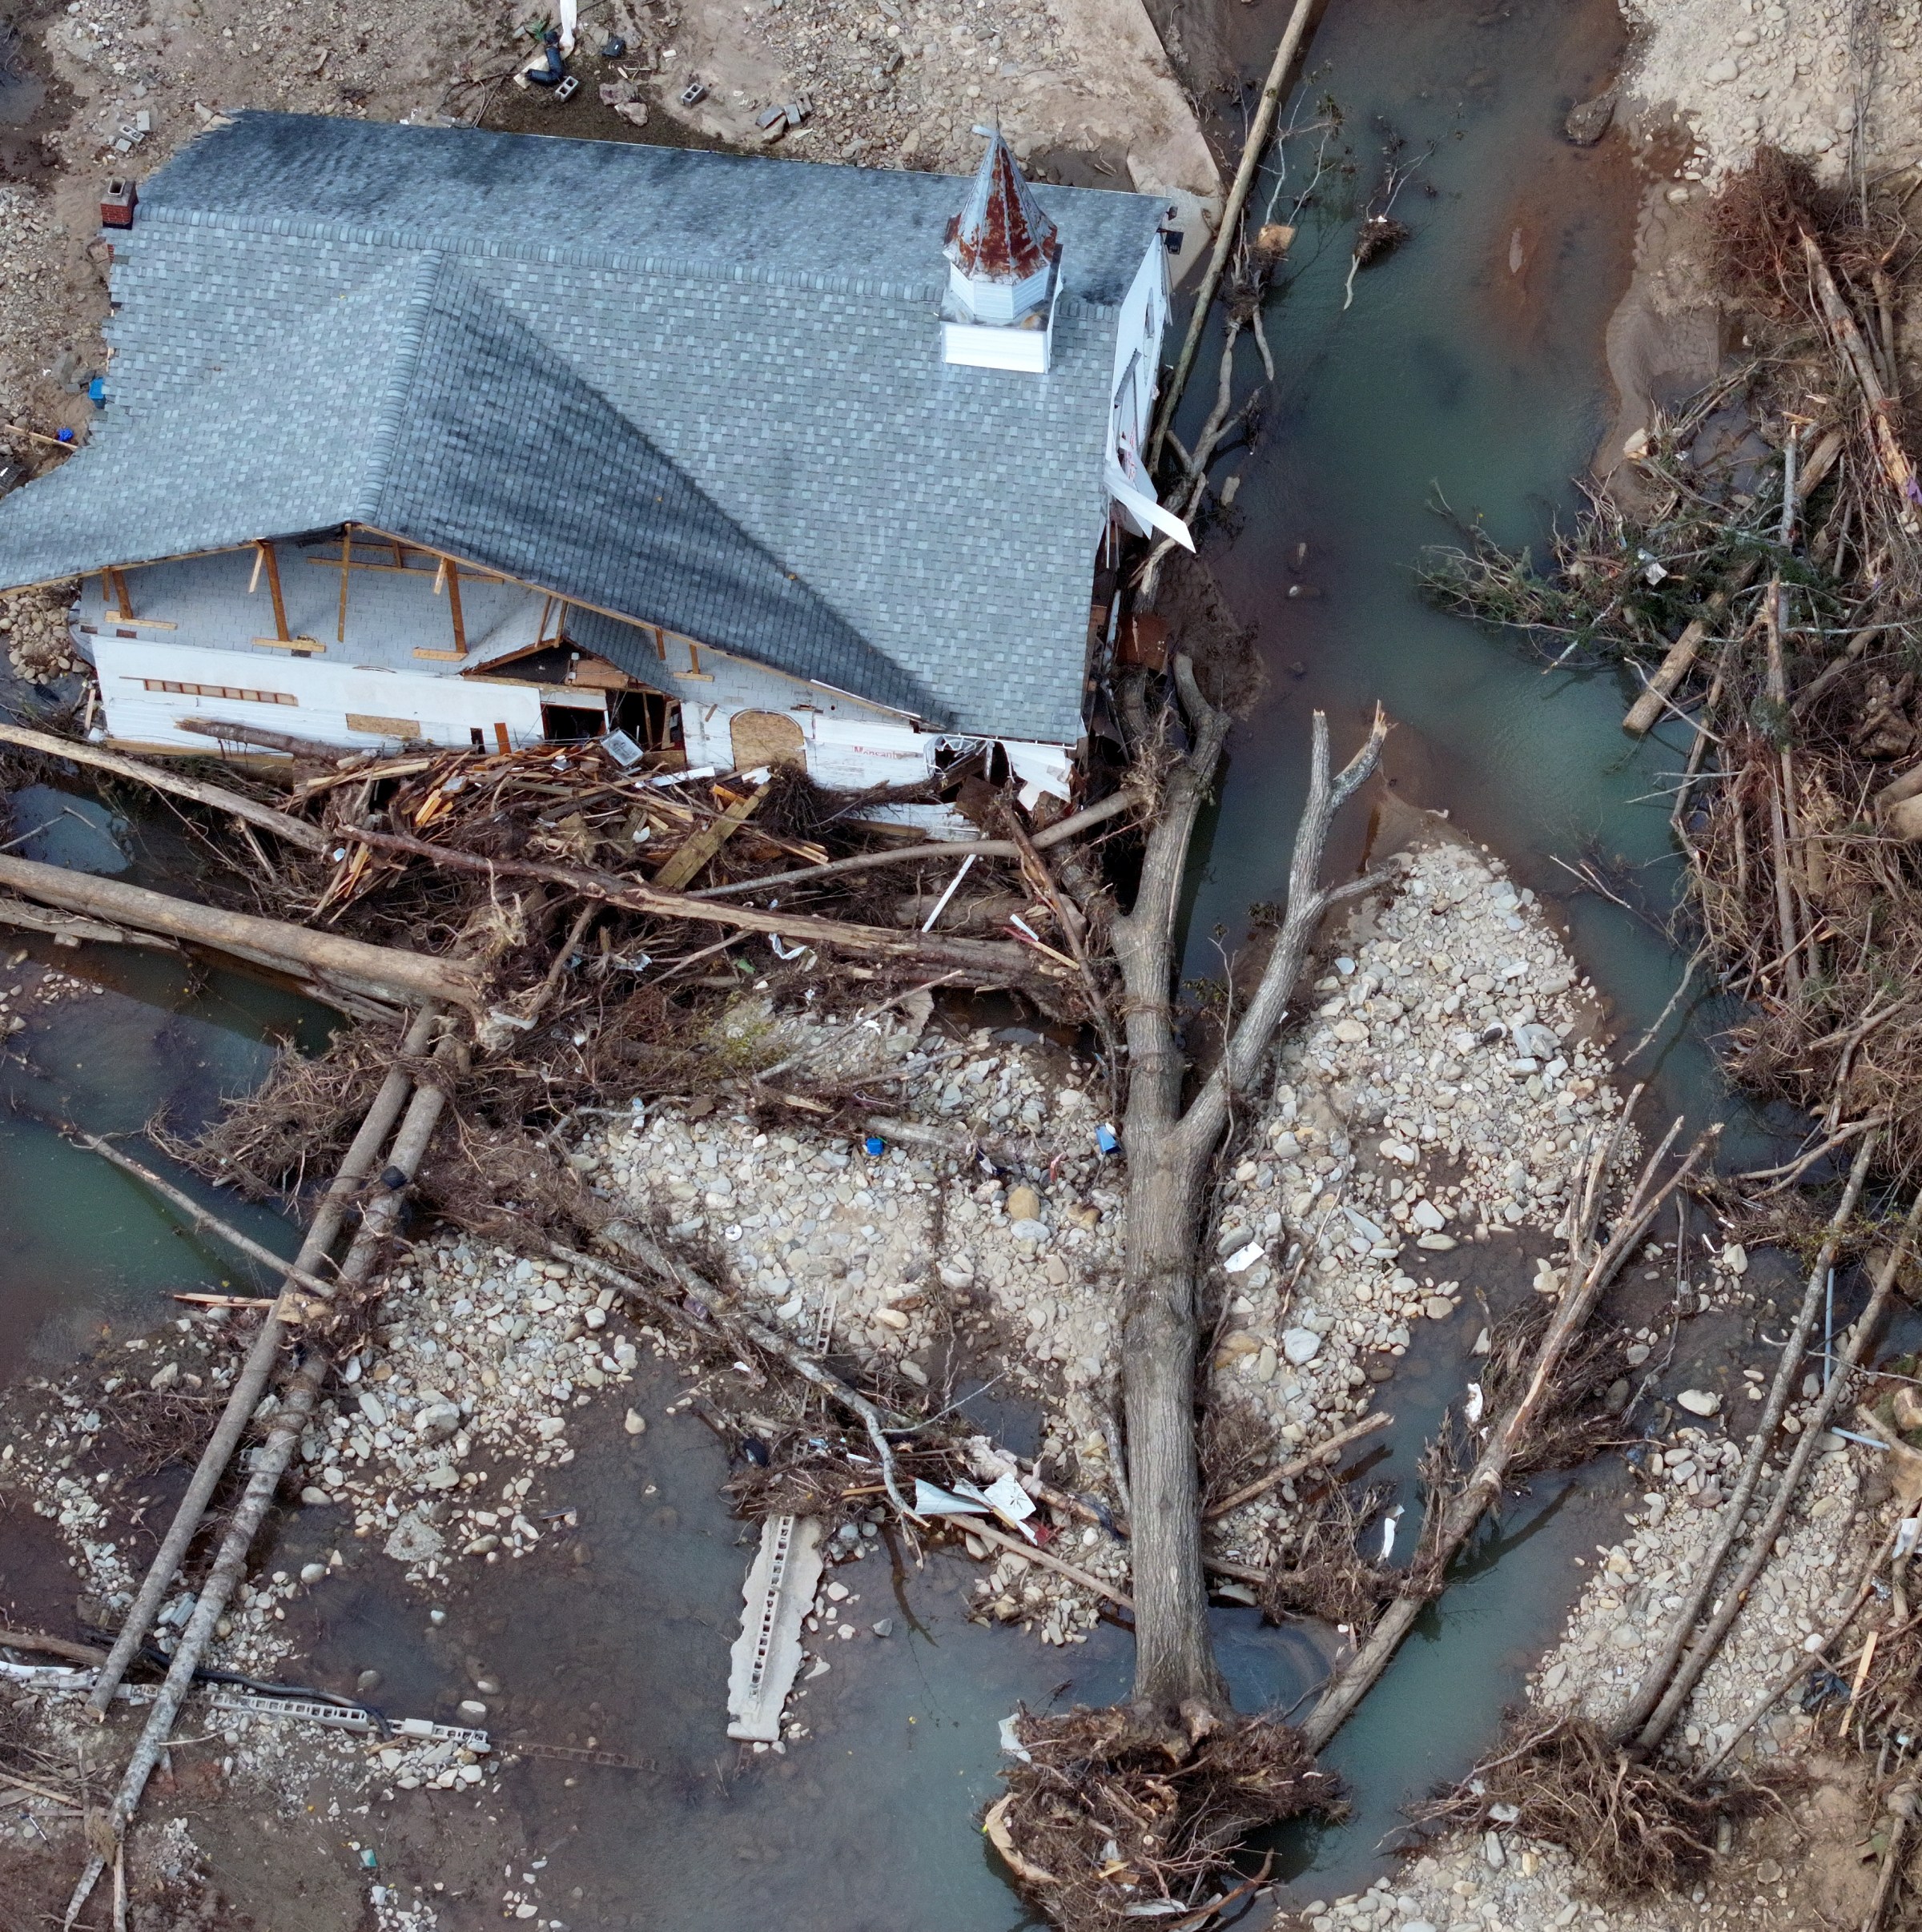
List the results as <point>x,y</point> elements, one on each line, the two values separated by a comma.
<point>444,708</point>
<point>1137,371</point>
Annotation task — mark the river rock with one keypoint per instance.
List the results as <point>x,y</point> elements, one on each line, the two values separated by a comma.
<point>1351,1033</point>
<point>1538,1040</point>
<point>1437,1307</point>
<point>1438,1244</point>
<point>1427,1216</point>
<point>1027,1228</point>
<point>1300,1345</point>
<point>438,1420</point>
<point>1588,120</point>
<point>1024,1204</point>
<point>412,1540</point>
<point>473,1709</point>
<point>312,1572</point>
<point>1399,1150</point>
<point>635,1423</point>
<point>311,1498</point>
<point>371,1409</point>
<point>1699,1401</point>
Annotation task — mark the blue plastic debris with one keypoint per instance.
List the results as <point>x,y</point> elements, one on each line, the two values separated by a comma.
<point>368,1859</point>
<point>63,435</point>
<point>874,1146</point>
<point>1107,1139</point>
<point>96,392</point>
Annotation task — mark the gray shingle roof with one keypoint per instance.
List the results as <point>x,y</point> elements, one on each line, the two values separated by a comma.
<point>702,390</point>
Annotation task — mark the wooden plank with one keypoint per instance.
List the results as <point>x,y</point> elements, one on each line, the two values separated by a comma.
<point>273,585</point>
<point>301,646</point>
<point>347,564</point>
<point>684,862</point>
<point>453,606</point>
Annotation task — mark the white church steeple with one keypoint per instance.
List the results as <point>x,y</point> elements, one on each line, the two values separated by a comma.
<point>1003,270</point>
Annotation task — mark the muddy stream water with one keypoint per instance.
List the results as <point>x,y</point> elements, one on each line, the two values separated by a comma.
<point>1471,361</point>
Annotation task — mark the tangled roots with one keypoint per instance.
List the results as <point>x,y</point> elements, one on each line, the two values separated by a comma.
<point>1637,1830</point>
<point>1106,1816</point>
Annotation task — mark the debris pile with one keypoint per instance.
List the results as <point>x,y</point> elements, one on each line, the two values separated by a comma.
<point>34,627</point>
<point>1766,601</point>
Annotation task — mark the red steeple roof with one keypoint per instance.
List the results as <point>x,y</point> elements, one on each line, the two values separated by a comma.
<point>1001,234</point>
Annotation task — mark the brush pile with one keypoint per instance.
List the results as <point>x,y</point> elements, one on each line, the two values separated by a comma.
<point>1762,580</point>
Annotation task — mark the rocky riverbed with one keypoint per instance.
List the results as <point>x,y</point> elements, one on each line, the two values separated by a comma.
<point>1837,82</point>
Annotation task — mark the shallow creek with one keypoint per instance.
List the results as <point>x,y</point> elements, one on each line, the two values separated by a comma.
<point>1473,359</point>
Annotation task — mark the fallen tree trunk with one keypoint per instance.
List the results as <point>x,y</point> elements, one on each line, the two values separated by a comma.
<point>382,973</point>
<point>1509,1435</point>
<point>1176,1680</point>
<point>980,963</point>
<point>1227,230</point>
<point>197,1216</point>
<point>1672,1676</point>
<point>231,731</point>
<point>297,1403</point>
<point>296,831</point>
<point>38,919</point>
<point>250,1384</point>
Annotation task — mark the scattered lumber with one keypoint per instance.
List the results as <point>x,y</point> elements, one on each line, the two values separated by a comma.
<point>296,831</point>
<point>978,963</point>
<point>1063,829</point>
<point>1647,710</point>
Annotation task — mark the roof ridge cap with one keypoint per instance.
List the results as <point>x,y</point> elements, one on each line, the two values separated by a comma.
<point>412,332</point>
<point>623,261</point>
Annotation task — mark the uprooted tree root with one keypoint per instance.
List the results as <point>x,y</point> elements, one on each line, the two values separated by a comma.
<point>1105,1816</point>
<point>1637,1830</point>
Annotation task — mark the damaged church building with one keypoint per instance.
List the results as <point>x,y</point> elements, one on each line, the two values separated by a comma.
<point>419,435</point>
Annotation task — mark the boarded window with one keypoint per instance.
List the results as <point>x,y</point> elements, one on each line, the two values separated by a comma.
<point>234,692</point>
<point>765,737</point>
<point>378,727</point>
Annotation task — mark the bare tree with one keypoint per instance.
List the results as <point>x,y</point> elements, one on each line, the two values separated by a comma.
<point>1170,1151</point>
